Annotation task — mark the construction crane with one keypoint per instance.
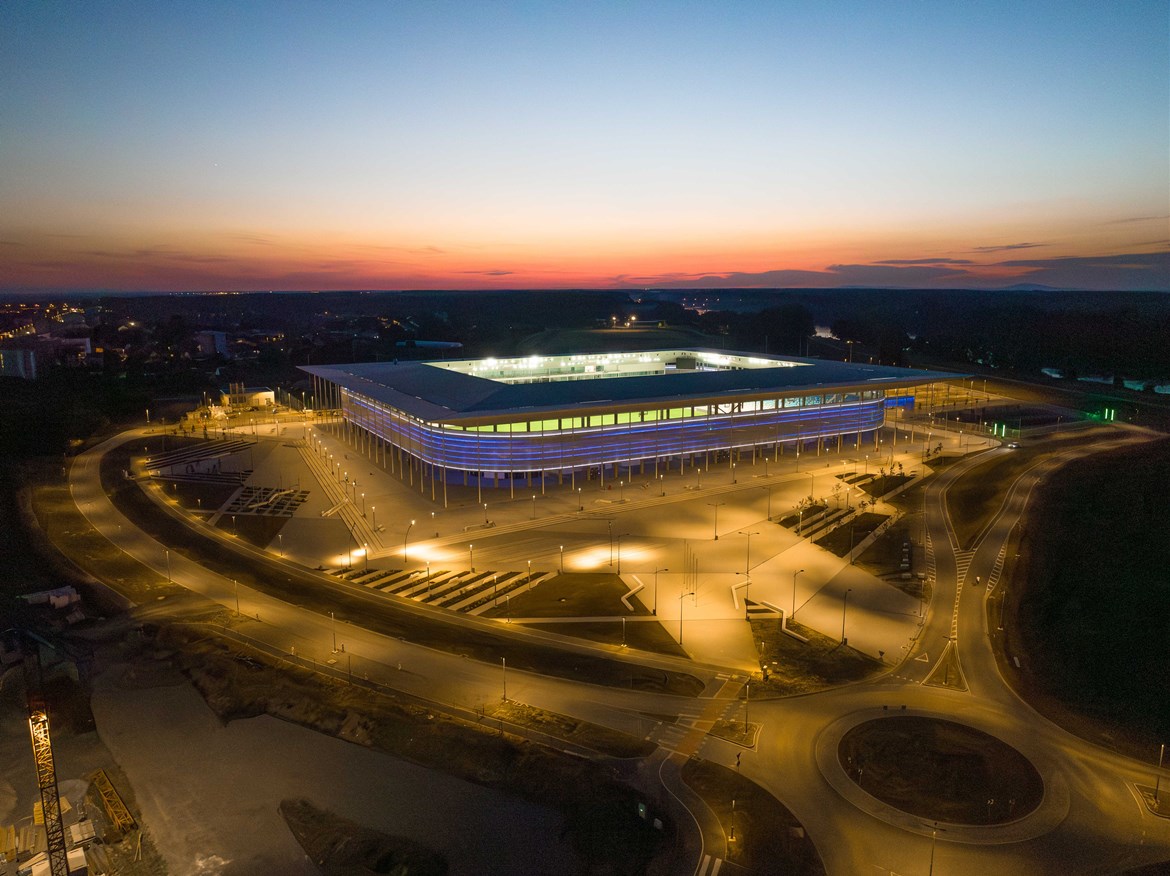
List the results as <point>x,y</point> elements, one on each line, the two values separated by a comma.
<point>38,725</point>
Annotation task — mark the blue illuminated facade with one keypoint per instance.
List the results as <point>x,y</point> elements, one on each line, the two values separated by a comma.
<point>568,419</point>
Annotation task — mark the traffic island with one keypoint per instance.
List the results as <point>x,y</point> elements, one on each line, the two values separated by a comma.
<point>940,770</point>
<point>792,666</point>
<point>761,834</point>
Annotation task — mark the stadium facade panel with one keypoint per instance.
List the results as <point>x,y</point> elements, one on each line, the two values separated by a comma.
<point>492,421</point>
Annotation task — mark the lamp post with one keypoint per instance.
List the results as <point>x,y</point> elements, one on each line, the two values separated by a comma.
<point>236,588</point>
<point>794,574</point>
<point>428,579</point>
<point>534,506</point>
<point>333,629</point>
<point>698,478</point>
<point>168,553</point>
<point>580,501</point>
<point>1158,776</point>
<point>654,610</point>
<point>374,518</point>
<point>716,505</point>
<point>363,504</point>
<point>471,557</point>
<point>681,596</point>
<point>562,559</point>
<point>609,523</point>
<point>485,520</point>
<point>844,605</point>
<point>405,541</point>
<point>365,557</point>
<point>529,579</point>
<point>747,704</point>
<point>747,560</point>
<point>280,540</point>
<point>747,592</point>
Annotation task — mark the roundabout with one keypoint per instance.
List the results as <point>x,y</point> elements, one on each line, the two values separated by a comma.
<point>940,769</point>
<point>923,771</point>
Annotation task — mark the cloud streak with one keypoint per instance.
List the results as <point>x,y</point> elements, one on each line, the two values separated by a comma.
<point>1007,247</point>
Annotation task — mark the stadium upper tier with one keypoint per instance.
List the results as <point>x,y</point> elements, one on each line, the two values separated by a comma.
<point>564,412</point>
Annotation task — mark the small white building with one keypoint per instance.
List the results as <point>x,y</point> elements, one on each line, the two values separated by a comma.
<point>239,396</point>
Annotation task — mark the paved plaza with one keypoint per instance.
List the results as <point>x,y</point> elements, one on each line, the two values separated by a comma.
<point>353,518</point>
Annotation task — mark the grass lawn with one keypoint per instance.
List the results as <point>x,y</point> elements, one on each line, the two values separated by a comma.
<point>797,667</point>
<point>1092,609</point>
<point>768,838</point>
<point>847,535</point>
<point>940,770</point>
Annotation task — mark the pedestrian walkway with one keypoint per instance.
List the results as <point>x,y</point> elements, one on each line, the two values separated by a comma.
<point>464,591</point>
<point>364,530</point>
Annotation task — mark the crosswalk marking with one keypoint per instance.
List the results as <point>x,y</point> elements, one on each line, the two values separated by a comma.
<point>709,866</point>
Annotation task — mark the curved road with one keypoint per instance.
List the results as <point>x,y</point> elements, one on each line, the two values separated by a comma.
<point>1092,819</point>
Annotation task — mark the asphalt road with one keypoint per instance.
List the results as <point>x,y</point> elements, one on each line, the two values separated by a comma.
<point>1091,821</point>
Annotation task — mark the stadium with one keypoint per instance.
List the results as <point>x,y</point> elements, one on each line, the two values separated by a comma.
<point>496,422</point>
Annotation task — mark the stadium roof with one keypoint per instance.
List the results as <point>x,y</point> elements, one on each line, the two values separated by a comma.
<point>437,393</point>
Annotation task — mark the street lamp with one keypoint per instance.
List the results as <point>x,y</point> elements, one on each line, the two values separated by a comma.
<point>236,586</point>
<point>844,605</point>
<point>471,557</point>
<point>485,520</point>
<point>747,592</point>
<point>405,540</point>
<point>794,574</point>
<point>365,557</point>
<point>168,553</point>
<point>280,540</point>
<point>333,629</point>
<point>609,523</point>
<point>374,518</point>
<point>534,506</point>
<point>363,504</point>
<point>747,561</point>
<point>529,581</point>
<point>580,501</point>
<point>716,505</point>
<point>621,491</point>
<point>654,610</point>
<point>562,559</point>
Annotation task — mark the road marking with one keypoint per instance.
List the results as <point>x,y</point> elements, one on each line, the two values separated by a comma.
<point>709,866</point>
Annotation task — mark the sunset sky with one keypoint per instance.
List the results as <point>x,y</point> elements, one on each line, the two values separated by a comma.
<point>382,145</point>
